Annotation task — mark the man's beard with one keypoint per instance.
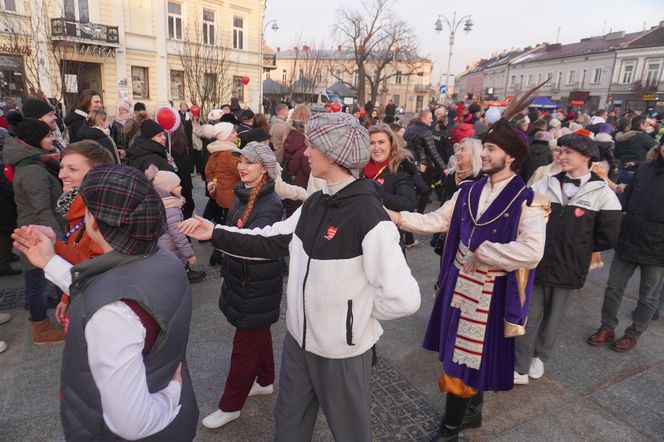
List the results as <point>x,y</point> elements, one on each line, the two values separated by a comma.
<point>495,168</point>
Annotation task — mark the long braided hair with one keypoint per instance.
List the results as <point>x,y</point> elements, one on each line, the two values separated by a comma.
<point>253,196</point>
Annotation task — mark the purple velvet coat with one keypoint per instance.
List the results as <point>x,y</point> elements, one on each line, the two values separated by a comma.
<point>496,371</point>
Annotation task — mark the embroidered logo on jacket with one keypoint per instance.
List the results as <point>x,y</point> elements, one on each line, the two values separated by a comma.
<point>380,180</point>
<point>579,212</point>
<point>239,223</point>
<point>331,231</point>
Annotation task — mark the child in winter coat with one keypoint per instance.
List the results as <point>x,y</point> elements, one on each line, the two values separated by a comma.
<point>168,187</point>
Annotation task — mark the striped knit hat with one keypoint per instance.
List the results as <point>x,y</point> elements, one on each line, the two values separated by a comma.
<point>342,139</point>
<point>128,210</point>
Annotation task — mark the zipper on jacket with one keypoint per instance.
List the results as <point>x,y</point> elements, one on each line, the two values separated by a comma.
<point>349,323</point>
<point>304,283</point>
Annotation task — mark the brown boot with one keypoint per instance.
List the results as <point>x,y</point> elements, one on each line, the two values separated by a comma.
<point>44,333</point>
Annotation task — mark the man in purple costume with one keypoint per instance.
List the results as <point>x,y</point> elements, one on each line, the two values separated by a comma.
<point>495,237</point>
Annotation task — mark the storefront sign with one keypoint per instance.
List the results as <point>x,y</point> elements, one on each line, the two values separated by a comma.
<point>15,49</point>
<point>577,102</point>
<point>9,62</point>
<point>94,50</point>
<point>650,97</point>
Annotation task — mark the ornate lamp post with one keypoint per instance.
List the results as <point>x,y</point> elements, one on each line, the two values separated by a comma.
<point>453,26</point>
<point>275,28</point>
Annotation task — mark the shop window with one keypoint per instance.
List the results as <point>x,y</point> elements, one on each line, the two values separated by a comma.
<point>238,88</point>
<point>139,82</point>
<point>177,85</point>
<point>210,86</point>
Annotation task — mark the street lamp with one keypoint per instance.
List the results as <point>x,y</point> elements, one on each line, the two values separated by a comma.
<point>453,26</point>
<point>275,28</point>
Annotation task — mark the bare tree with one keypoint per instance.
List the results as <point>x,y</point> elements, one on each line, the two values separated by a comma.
<point>308,71</point>
<point>377,41</point>
<point>205,62</point>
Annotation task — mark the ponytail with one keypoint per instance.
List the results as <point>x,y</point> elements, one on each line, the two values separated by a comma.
<point>253,196</point>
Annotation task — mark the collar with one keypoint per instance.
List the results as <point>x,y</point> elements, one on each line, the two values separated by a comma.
<point>332,189</point>
<point>82,274</point>
<point>499,186</point>
<point>584,178</point>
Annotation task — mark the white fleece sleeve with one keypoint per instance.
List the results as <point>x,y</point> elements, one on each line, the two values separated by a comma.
<point>397,293</point>
<point>432,222</point>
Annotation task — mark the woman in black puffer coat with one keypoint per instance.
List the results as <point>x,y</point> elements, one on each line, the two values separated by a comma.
<point>391,166</point>
<point>252,289</point>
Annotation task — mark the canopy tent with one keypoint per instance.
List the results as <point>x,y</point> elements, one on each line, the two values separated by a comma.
<point>542,102</point>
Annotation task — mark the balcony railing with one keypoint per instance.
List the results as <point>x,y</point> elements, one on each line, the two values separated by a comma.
<point>422,88</point>
<point>72,30</point>
<point>270,61</point>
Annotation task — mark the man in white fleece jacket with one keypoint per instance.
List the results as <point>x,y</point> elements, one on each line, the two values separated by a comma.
<point>346,273</point>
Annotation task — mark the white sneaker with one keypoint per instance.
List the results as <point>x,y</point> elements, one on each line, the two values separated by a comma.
<point>257,389</point>
<point>536,368</point>
<point>3,346</point>
<point>520,379</point>
<point>219,418</point>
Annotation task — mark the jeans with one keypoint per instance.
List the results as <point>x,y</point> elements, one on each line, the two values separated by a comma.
<point>35,293</point>
<point>625,176</point>
<point>650,289</point>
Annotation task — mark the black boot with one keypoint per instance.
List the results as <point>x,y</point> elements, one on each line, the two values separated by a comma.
<point>473,416</point>
<point>455,408</point>
<point>194,276</point>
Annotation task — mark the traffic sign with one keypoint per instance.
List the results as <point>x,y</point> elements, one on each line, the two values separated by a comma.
<point>443,88</point>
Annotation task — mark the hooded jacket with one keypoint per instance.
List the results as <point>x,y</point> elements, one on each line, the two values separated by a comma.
<point>296,165</point>
<point>633,145</point>
<point>420,142</point>
<point>222,166</point>
<point>252,289</point>
<point>642,232</point>
<point>74,121</point>
<point>539,154</point>
<point>146,151</point>
<point>36,191</point>
<point>86,132</point>
<point>346,269</point>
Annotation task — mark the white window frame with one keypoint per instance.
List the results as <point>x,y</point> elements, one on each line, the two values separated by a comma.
<point>4,8</point>
<point>179,96</point>
<point>632,75</point>
<point>571,76</point>
<point>646,70</point>
<point>597,75</point>
<point>531,78</point>
<point>175,19</point>
<point>145,88</point>
<point>398,77</point>
<point>77,10</point>
<point>239,33</point>
<point>284,76</point>
<point>209,26</point>
<point>560,79</point>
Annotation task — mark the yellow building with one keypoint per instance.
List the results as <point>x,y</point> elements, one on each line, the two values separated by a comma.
<point>151,51</point>
<point>311,70</point>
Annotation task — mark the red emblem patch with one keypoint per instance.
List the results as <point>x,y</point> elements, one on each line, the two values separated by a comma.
<point>380,180</point>
<point>331,231</point>
<point>239,223</point>
<point>579,212</point>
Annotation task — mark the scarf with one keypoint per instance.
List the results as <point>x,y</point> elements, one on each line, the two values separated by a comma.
<point>123,120</point>
<point>65,200</point>
<point>106,130</point>
<point>472,295</point>
<point>49,161</point>
<point>461,175</point>
<point>372,170</point>
<point>173,201</point>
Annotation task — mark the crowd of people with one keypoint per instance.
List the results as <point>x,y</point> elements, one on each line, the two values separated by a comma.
<point>103,216</point>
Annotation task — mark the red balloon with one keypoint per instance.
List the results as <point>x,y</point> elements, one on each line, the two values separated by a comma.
<point>195,110</point>
<point>166,118</point>
<point>336,107</point>
<point>245,80</point>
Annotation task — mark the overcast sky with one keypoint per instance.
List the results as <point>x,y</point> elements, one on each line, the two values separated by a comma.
<point>498,24</point>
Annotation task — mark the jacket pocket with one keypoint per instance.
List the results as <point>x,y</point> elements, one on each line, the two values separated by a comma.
<point>349,323</point>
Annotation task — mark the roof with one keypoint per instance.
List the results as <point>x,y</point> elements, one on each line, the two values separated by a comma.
<point>271,87</point>
<point>342,90</point>
<point>587,46</point>
<point>654,37</point>
<point>303,85</point>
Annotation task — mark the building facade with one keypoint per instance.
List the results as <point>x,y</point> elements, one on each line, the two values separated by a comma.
<point>133,50</point>
<point>313,70</point>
